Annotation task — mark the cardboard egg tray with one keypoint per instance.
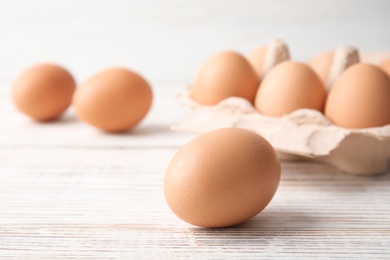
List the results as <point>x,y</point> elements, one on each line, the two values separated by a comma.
<point>304,134</point>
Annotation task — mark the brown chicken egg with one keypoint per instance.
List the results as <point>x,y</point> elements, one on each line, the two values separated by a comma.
<point>385,65</point>
<point>322,64</point>
<point>288,87</point>
<point>224,75</point>
<point>114,100</point>
<point>360,98</point>
<point>265,57</point>
<point>43,92</point>
<point>256,58</point>
<point>222,178</point>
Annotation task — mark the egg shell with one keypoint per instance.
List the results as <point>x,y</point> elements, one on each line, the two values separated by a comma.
<point>224,75</point>
<point>290,86</point>
<point>113,100</point>
<point>303,134</point>
<point>385,65</point>
<point>360,98</point>
<point>256,59</point>
<point>322,64</point>
<point>43,92</point>
<point>222,178</point>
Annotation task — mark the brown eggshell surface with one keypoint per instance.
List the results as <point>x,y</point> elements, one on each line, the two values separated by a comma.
<point>224,75</point>
<point>322,64</point>
<point>385,65</point>
<point>360,98</point>
<point>288,87</point>
<point>43,92</point>
<point>114,100</point>
<point>256,59</point>
<point>222,178</point>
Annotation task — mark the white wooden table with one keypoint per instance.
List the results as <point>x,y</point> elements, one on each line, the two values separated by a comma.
<point>68,191</point>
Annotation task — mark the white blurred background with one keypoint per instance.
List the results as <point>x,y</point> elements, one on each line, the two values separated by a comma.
<point>167,40</point>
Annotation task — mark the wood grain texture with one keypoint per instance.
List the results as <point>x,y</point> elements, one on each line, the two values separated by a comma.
<point>99,208</point>
<point>68,191</point>
<point>153,131</point>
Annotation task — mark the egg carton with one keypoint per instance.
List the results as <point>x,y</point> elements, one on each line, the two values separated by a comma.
<point>303,134</point>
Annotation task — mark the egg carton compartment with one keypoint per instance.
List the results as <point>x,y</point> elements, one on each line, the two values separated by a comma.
<point>303,134</point>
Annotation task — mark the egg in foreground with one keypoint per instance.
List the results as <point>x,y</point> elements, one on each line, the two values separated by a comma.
<point>222,178</point>
<point>43,92</point>
<point>114,100</point>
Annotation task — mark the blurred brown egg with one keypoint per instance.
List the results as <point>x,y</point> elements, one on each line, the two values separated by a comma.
<point>256,58</point>
<point>385,65</point>
<point>114,100</point>
<point>43,92</point>
<point>322,64</point>
<point>288,87</point>
<point>227,74</point>
<point>222,178</point>
<point>360,98</point>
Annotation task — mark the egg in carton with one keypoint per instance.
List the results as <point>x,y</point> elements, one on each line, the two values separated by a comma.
<point>303,134</point>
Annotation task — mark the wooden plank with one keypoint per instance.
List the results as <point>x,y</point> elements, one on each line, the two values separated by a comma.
<point>68,191</point>
<point>108,203</point>
<point>18,130</point>
<point>146,242</point>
